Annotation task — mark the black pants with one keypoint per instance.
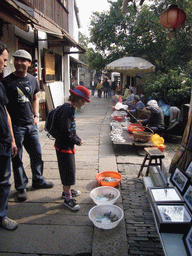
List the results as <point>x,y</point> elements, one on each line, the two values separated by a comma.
<point>66,164</point>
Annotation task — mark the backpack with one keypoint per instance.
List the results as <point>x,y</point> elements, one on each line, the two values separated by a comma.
<point>51,125</point>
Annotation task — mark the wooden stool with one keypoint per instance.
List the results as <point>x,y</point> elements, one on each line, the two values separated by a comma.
<point>151,154</point>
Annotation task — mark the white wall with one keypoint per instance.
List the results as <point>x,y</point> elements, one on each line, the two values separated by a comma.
<point>73,26</point>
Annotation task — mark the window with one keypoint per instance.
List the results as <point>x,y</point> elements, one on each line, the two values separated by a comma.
<point>52,66</point>
<point>58,67</point>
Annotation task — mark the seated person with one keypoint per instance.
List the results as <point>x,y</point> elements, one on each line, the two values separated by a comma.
<point>130,97</point>
<point>118,90</point>
<point>156,119</point>
<point>135,105</point>
<point>116,97</point>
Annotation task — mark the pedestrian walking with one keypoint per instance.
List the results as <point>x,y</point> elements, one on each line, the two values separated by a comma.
<point>64,143</point>
<point>99,87</point>
<point>92,86</point>
<point>7,149</point>
<point>106,87</point>
<point>81,82</point>
<point>22,89</point>
<point>113,87</point>
<point>110,87</point>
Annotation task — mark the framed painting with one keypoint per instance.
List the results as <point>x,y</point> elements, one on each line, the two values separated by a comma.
<point>180,180</point>
<point>162,195</point>
<point>188,197</point>
<point>189,171</point>
<point>172,217</point>
<point>188,241</point>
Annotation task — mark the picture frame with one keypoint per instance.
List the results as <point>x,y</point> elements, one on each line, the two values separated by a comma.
<point>188,197</point>
<point>164,195</point>
<point>180,180</point>
<point>187,239</point>
<point>173,217</point>
<point>189,171</point>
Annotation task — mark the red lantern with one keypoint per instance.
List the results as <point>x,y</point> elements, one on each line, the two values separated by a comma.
<point>173,18</point>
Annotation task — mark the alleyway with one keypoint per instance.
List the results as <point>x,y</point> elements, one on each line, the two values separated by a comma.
<point>46,227</point>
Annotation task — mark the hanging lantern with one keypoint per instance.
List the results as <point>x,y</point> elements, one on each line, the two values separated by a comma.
<point>173,18</point>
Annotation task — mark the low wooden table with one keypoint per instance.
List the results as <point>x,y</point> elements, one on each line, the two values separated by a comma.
<point>152,154</point>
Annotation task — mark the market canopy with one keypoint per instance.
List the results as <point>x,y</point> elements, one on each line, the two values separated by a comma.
<point>131,66</point>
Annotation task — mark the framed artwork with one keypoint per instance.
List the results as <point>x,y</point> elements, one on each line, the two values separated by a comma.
<point>189,171</point>
<point>188,241</point>
<point>173,217</point>
<point>188,197</point>
<point>179,179</point>
<point>161,195</point>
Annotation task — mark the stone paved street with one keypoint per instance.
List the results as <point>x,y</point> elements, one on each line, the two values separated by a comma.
<point>48,228</point>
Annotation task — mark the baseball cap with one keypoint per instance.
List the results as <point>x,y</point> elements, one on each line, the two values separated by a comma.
<point>22,54</point>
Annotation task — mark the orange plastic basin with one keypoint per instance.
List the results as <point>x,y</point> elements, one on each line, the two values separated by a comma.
<point>119,118</point>
<point>117,176</point>
<point>135,128</point>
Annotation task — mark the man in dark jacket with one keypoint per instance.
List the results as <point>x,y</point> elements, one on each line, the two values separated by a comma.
<point>93,86</point>
<point>7,149</point>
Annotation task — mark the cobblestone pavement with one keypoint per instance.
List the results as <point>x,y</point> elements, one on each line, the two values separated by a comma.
<point>141,231</point>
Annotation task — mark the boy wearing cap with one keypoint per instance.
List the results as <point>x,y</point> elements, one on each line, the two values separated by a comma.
<point>64,143</point>
<point>7,149</point>
<point>22,89</point>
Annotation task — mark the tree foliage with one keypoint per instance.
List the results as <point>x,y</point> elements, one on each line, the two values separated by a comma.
<point>173,88</point>
<point>92,58</point>
<point>139,33</point>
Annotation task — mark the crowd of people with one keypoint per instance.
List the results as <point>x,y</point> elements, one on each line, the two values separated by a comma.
<point>149,114</point>
<point>152,114</point>
<point>107,87</point>
<point>19,109</point>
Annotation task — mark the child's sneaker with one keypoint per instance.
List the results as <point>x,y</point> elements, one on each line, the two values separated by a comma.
<point>73,192</point>
<point>71,204</point>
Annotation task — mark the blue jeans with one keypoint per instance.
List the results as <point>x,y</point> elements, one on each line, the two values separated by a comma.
<point>5,174</point>
<point>109,92</point>
<point>27,136</point>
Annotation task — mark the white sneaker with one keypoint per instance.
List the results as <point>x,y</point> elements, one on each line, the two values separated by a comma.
<point>9,224</point>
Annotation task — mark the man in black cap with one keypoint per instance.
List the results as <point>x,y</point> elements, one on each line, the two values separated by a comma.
<point>22,89</point>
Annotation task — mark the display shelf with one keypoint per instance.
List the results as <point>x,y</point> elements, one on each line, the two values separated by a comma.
<point>172,243</point>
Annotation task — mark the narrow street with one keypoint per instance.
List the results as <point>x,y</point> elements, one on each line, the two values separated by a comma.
<point>47,227</point>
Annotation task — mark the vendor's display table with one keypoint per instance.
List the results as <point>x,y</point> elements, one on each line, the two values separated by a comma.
<point>172,243</point>
<point>129,141</point>
<point>120,135</point>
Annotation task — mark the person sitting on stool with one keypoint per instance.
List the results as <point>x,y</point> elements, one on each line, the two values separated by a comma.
<point>156,119</point>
